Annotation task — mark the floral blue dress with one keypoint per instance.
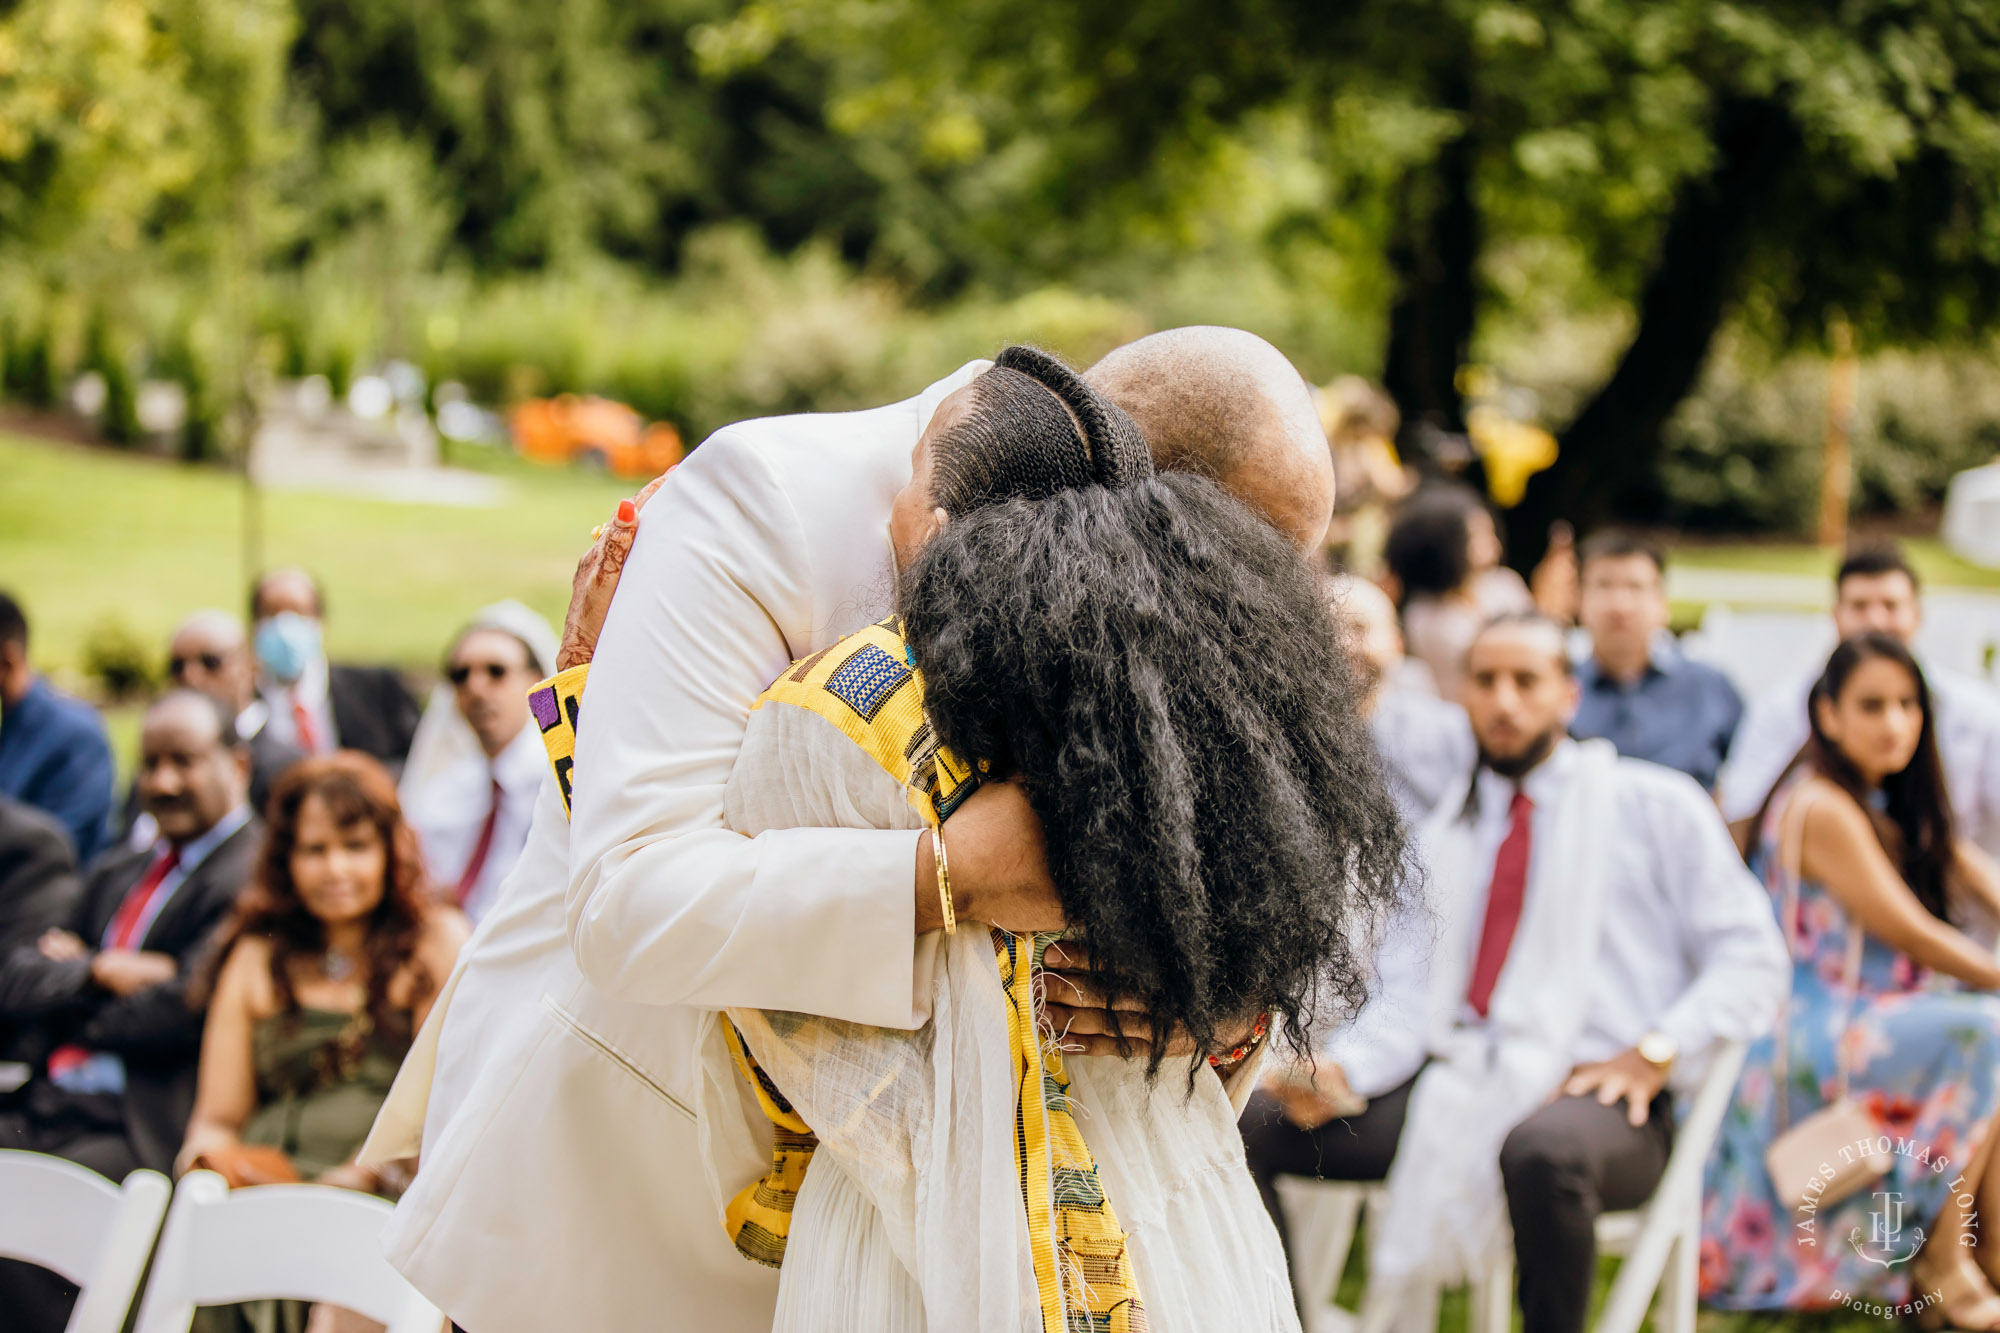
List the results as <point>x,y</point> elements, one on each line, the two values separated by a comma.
<point>1924,1061</point>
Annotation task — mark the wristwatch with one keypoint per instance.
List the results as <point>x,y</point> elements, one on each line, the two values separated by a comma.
<point>1658,1050</point>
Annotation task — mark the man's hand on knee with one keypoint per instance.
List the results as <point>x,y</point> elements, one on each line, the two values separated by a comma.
<point>1627,1076</point>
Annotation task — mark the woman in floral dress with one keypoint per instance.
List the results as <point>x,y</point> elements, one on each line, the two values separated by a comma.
<point>1863,825</point>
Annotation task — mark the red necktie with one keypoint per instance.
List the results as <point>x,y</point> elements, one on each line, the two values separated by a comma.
<point>131,914</point>
<point>1503,904</point>
<point>480,848</point>
<point>302,719</point>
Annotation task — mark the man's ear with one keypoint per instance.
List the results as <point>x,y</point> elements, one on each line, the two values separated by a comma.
<point>938,519</point>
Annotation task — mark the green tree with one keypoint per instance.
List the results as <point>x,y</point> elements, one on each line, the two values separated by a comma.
<point>1776,161</point>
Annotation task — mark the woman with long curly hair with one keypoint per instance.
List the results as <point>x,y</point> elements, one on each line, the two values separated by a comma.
<point>1892,1009</point>
<point>333,957</point>
<point>1152,669</point>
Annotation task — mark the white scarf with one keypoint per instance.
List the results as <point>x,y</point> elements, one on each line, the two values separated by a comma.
<point>1446,1217</point>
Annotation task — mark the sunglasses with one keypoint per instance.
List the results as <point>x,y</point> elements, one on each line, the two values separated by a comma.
<point>210,662</point>
<point>458,675</point>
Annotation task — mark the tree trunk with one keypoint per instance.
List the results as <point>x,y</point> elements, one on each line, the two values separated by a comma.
<point>1434,257</point>
<point>1611,448</point>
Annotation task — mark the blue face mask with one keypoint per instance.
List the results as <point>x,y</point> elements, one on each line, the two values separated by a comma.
<point>287,644</point>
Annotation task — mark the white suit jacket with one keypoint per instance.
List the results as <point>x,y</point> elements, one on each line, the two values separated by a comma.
<point>562,1183</point>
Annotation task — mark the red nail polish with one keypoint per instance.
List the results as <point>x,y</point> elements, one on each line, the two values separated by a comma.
<point>627,511</point>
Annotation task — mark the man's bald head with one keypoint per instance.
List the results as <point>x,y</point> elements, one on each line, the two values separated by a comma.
<point>209,653</point>
<point>1226,404</point>
<point>1375,636</point>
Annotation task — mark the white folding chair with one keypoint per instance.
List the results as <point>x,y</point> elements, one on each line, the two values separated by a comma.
<point>69,1219</point>
<point>290,1242</point>
<point>1660,1242</point>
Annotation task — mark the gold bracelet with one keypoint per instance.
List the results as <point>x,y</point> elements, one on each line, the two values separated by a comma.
<point>944,882</point>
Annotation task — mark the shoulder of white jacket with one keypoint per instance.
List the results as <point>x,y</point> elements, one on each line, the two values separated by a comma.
<point>892,426</point>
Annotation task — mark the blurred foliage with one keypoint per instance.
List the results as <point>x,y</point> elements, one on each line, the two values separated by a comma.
<point>1743,451</point>
<point>118,660</point>
<point>714,208</point>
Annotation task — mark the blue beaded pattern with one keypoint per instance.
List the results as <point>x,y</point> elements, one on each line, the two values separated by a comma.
<point>865,681</point>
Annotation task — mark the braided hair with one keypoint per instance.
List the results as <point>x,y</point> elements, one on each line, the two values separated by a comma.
<point>1034,429</point>
<point>1157,667</point>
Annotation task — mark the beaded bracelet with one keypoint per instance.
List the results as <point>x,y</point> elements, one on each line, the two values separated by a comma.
<point>1236,1056</point>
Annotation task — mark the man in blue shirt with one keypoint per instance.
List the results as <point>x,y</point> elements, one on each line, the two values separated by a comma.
<point>1639,693</point>
<point>53,752</point>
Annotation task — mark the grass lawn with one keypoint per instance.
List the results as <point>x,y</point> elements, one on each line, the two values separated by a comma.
<point>1937,566</point>
<point>90,537</point>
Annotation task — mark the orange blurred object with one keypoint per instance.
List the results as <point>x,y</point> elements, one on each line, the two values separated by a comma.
<point>596,432</point>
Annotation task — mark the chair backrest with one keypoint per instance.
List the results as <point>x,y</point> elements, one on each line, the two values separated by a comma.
<point>295,1242</point>
<point>68,1218</point>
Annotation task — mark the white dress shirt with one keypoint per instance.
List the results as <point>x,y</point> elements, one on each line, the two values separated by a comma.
<point>448,809</point>
<point>1689,946</point>
<point>1968,736</point>
<point>309,689</point>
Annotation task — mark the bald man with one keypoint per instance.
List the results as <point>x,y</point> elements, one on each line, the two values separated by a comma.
<point>554,1091</point>
<point>210,652</point>
<point>1426,743</point>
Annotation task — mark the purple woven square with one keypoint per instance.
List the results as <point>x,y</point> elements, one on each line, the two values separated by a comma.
<point>542,703</point>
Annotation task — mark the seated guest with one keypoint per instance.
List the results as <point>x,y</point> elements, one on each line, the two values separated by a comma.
<point>210,653</point>
<point>1425,743</point>
<point>38,886</point>
<point>1876,589</point>
<point>1443,554</point>
<point>476,765</point>
<point>1596,934</point>
<point>1638,692</point>
<point>53,752</point>
<point>1857,848</point>
<point>330,962</point>
<point>107,991</point>
<point>317,706</point>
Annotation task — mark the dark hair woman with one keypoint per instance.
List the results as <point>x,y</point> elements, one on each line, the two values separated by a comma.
<point>1156,670</point>
<point>1858,849</point>
<point>1443,554</point>
<point>1159,670</point>
<point>322,976</point>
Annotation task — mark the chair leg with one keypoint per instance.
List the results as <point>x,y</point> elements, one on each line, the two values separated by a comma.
<point>1322,1222</point>
<point>1405,1307</point>
<point>1679,1286</point>
<point>1493,1298</point>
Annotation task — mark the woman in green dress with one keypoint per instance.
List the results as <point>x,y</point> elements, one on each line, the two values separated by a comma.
<point>333,957</point>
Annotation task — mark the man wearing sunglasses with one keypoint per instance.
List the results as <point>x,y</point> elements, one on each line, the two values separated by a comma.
<point>469,788</point>
<point>210,652</point>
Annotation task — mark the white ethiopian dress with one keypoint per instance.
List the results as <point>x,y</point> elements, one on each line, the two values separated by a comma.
<point>911,1217</point>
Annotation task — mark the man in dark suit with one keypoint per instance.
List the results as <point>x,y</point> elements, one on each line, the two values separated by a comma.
<point>316,705</point>
<point>108,988</point>
<point>38,888</point>
<point>107,991</point>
